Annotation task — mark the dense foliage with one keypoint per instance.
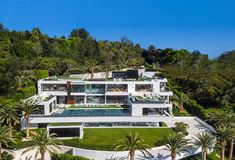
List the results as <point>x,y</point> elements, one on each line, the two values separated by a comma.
<point>26,56</point>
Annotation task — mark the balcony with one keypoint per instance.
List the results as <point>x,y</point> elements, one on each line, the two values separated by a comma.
<point>146,100</point>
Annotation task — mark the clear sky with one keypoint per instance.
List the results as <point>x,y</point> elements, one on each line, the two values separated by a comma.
<point>204,25</point>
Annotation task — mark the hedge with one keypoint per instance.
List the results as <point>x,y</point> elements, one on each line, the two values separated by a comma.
<point>67,157</point>
<point>40,74</point>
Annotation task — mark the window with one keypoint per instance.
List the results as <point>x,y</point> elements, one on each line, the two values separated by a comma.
<point>54,87</point>
<point>65,132</point>
<point>117,88</point>
<point>143,87</point>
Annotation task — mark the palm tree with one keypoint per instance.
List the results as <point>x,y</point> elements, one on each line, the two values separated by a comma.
<point>4,138</point>
<point>179,100</point>
<point>231,143</point>
<point>225,119</point>
<point>28,107</point>
<point>132,143</point>
<point>9,116</point>
<point>176,143</point>
<point>43,143</point>
<point>223,134</point>
<point>181,127</point>
<point>91,65</point>
<point>222,118</point>
<point>204,140</point>
<point>108,65</point>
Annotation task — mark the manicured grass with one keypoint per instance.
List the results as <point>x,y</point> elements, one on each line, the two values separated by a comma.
<point>109,136</point>
<point>106,138</point>
<point>103,138</point>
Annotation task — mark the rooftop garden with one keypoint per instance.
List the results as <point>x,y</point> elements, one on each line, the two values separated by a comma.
<point>48,98</point>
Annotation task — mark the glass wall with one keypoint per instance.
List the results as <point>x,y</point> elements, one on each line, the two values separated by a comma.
<point>143,87</point>
<point>65,132</point>
<point>54,87</point>
<point>78,88</point>
<point>79,99</point>
<point>117,88</point>
<point>95,88</point>
<point>61,99</point>
<point>116,99</point>
<point>95,99</point>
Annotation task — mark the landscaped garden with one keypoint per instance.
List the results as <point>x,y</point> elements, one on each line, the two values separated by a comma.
<point>106,138</point>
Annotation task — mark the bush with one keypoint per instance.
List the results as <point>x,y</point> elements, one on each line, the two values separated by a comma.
<point>78,144</point>
<point>28,92</point>
<point>7,156</point>
<point>67,157</point>
<point>181,127</point>
<point>40,74</point>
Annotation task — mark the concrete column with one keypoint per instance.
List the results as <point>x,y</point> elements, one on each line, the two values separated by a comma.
<point>85,99</point>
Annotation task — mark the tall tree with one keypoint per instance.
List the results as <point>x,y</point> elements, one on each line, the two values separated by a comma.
<point>43,143</point>
<point>223,133</point>
<point>28,107</point>
<point>79,32</point>
<point>132,142</point>
<point>204,140</point>
<point>91,65</point>
<point>9,116</point>
<point>176,144</point>
<point>179,100</point>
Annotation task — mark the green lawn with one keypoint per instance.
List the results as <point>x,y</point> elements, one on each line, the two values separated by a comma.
<point>106,138</point>
<point>103,138</point>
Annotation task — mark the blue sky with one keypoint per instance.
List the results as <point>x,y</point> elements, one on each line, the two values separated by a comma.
<point>204,25</point>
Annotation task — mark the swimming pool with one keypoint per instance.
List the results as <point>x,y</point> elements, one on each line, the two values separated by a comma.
<point>92,112</point>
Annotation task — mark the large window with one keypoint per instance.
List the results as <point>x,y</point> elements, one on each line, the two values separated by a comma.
<point>61,99</point>
<point>95,99</point>
<point>54,87</point>
<point>78,88</point>
<point>116,99</point>
<point>95,88</point>
<point>79,99</point>
<point>143,87</point>
<point>117,88</point>
<point>65,132</point>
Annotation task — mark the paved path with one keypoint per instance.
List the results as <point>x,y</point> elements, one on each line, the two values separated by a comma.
<point>157,153</point>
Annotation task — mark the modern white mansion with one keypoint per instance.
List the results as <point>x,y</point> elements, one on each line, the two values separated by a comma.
<point>135,98</point>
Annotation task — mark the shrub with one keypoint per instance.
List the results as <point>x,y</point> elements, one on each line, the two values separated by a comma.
<point>29,91</point>
<point>40,74</point>
<point>67,157</point>
<point>181,127</point>
<point>7,156</point>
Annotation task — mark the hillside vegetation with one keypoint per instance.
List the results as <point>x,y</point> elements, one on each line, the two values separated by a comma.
<point>26,56</point>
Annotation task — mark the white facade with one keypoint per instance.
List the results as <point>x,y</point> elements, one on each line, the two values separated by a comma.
<point>144,100</point>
